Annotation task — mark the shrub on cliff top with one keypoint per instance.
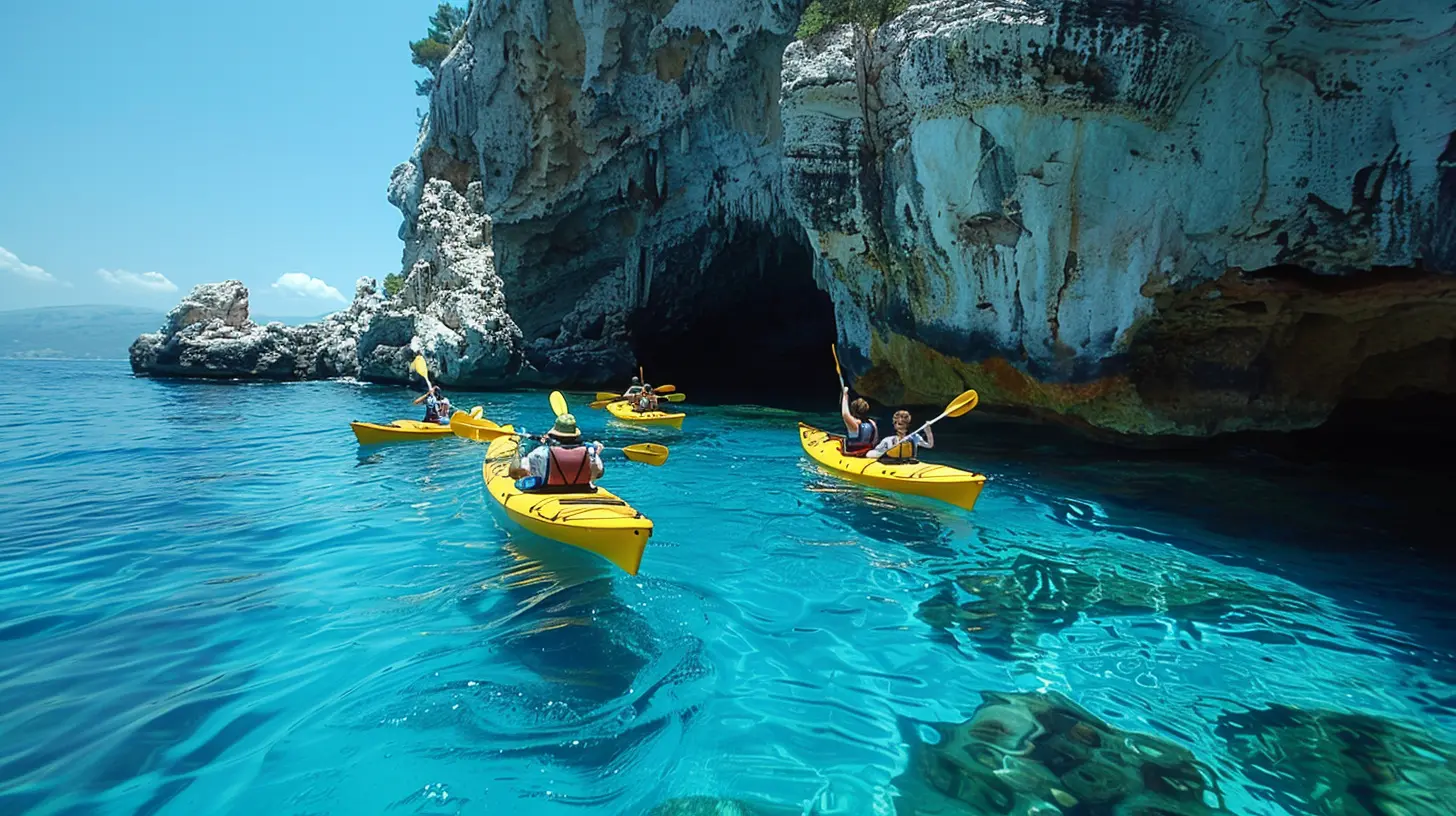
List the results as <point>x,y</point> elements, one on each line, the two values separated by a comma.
<point>869,14</point>
<point>447,26</point>
<point>392,284</point>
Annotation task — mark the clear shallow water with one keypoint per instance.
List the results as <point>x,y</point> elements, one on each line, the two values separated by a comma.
<point>212,600</point>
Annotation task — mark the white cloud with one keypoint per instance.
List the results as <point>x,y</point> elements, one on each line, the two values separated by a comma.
<point>307,286</point>
<point>10,263</point>
<point>146,281</point>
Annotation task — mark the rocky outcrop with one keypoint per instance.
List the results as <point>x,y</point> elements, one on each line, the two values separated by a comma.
<point>209,334</point>
<point>1178,218</point>
<point>451,308</point>
<point>1043,753</point>
<point>1175,218</point>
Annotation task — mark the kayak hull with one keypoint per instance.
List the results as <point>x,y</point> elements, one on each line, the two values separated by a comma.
<point>598,522</point>
<point>624,412</point>
<point>401,430</point>
<point>951,485</point>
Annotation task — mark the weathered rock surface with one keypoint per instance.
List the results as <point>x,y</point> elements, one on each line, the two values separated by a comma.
<point>1169,218</point>
<point>1172,218</point>
<point>451,308</point>
<point>209,334</point>
<point>1042,753</point>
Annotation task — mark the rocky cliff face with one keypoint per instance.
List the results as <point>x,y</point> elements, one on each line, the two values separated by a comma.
<point>1157,218</point>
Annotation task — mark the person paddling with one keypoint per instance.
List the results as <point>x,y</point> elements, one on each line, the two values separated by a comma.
<point>862,432</point>
<point>634,389</point>
<point>903,445</point>
<point>562,464</point>
<point>646,400</point>
<point>437,406</point>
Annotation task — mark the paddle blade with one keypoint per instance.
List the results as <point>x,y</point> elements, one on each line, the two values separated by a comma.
<point>477,412</point>
<point>479,429</point>
<point>664,389</point>
<point>419,367</point>
<point>604,403</point>
<point>963,404</point>
<point>605,396</point>
<point>647,453</point>
<point>558,403</point>
<point>676,397</point>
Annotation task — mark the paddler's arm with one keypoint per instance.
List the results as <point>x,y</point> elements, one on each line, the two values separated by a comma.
<point>596,460</point>
<point>516,468</point>
<point>929,437</point>
<point>885,444</point>
<point>849,419</point>
<point>421,398</point>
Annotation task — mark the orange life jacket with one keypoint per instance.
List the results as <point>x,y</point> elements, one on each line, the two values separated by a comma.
<point>568,469</point>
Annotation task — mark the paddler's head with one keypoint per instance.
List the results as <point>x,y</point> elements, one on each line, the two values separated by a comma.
<point>565,430</point>
<point>902,423</point>
<point>636,380</point>
<point>859,409</point>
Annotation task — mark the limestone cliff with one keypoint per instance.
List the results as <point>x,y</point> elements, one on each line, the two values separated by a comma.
<point>1170,217</point>
<point>1159,218</point>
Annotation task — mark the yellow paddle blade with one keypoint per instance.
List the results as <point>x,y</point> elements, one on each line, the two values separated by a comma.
<point>647,453</point>
<point>602,403</point>
<point>605,396</point>
<point>963,404</point>
<point>419,367</point>
<point>676,397</point>
<point>479,429</point>
<point>558,403</point>
<point>477,411</point>
<point>664,389</point>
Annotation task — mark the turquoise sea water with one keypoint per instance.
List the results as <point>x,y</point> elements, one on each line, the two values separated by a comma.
<point>213,601</point>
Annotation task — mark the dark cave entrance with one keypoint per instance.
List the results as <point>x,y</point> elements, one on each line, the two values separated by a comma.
<point>752,327</point>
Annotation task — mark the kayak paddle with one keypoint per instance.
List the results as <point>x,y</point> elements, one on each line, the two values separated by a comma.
<point>602,403</point>
<point>607,396</point>
<point>558,403</point>
<point>419,367</point>
<point>483,430</point>
<point>835,352</point>
<point>960,406</point>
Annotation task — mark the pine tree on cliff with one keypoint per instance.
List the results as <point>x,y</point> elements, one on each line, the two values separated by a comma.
<point>447,26</point>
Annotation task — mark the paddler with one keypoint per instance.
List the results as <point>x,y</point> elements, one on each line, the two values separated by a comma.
<point>903,445</point>
<point>562,464</point>
<point>862,434</point>
<point>646,400</point>
<point>437,406</point>
<point>634,389</point>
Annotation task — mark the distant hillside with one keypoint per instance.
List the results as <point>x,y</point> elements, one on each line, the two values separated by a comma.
<point>75,332</point>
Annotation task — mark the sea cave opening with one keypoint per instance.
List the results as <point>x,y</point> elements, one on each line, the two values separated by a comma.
<point>750,327</point>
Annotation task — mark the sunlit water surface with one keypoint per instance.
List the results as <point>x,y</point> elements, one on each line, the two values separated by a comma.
<point>213,600</point>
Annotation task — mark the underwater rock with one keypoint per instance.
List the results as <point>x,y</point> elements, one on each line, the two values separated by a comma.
<point>1043,754</point>
<point>1013,604</point>
<point>702,806</point>
<point>451,308</point>
<point>1183,218</point>
<point>209,334</point>
<point>1332,762</point>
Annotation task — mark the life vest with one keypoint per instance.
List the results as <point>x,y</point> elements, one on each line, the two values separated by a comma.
<point>865,438</point>
<point>902,452</point>
<point>437,410</point>
<point>568,470</point>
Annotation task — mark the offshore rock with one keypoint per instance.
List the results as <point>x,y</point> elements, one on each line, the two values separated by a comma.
<point>1029,754</point>
<point>210,335</point>
<point>451,308</point>
<point>1175,218</point>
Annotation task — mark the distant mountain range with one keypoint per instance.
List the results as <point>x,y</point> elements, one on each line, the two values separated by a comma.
<point>84,332</point>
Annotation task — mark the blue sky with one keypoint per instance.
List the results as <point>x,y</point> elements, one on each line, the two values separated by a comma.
<point>161,143</point>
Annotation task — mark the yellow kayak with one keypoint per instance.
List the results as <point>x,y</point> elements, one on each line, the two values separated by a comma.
<point>401,430</point>
<point>598,522</point>
<point>947,484</point>
<point>624,412</point>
